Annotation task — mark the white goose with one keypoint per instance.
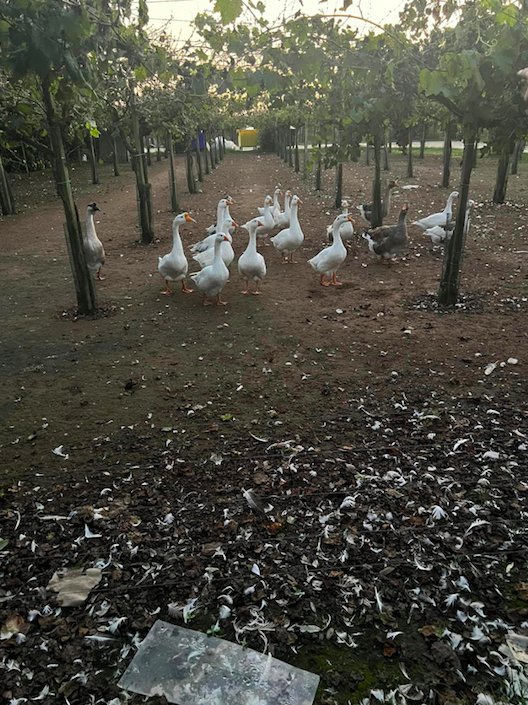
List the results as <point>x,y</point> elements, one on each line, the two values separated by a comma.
<point>275,207</point>
<point>174,266</point>
<point>222,211</point>
<point>251,264</point>
<point>290,239</point>
<point>212,279</point>
<point>346,230</point>
<point>283,219</point>
<point>206,257</point>
<point>266,219</point>
<point>438,218</point>
<point>438,234</point>
<point>328,261</point>
<point>94,253</point>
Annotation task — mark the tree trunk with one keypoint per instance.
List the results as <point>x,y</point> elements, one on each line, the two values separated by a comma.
<point>189,170</point>
<point>212,154</point>
<point>447,156</point>
<point>385,154</point>
<point>6,197</point>
<point>501,182</point>
<point>305,153</point>
<point>422,141</point>
<point>284,147</point>
<point>377,217</point>
<point>84,287</point>
<point>318,169</point>
<point>149,155</point>
<point>367,157</point>
<point>217,150</point>
<point>277,141</point>
<point>222,142</point>
<point>454,247</point>
<point>198,156</point>
<point>166,153</point>
<point>79,155</point>
<point>517,154</point>
<point>93,160</point>
<point>114,157</point>
<point>175,206</point>
<point>297,161</point>
<point>390,143</point>
<point>290,148</point>
<point>410,172</point>
<point>158,151</point>
<point>24,157</point>
<point>143,188</point>
<point>339,186</point>
<point>206,155</point>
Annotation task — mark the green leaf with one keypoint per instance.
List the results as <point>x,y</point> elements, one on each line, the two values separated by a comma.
<point>140,72</point>
<point>508,15</point>
<point>226,417</point>
<point>228,9</point>
<point>3,544</point>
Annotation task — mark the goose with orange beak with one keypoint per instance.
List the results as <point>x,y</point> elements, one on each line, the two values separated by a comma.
<point>212,279</point>
<point>290,239</point>
<point>174,266</point>
<point>251,264</point>
<point>328,261</point>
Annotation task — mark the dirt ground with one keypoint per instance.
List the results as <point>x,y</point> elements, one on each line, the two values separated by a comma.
<point>160,388</point>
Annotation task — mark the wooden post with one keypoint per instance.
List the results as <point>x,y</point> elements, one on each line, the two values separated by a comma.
<point>377,214</point>
<point>93,160</point>
<point>175,206</point>
<point>206,154</point>
<point>385,153</point>
<point>158,152</point>
<point>339,185</point>
<point>189,171</point>
<point>297,163</point>
<point>212,154</point>
<point>367,156</point>
<point>290,148</point>
<point>517,155</point>
<point>454,247</point>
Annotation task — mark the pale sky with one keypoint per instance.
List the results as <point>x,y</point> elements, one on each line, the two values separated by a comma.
<point>182,12</point>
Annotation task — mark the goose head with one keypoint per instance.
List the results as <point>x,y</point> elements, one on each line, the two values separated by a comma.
<point>183,218</point>
<point>344,203</point>
<point>92,208</point>
<point>253,224</point>
<point>393,184</point>
<point>278,192</point>
<point>295,201</point>
<point>229,200</point>
<point>454,194</point>
<point>343,218</point>
<point>268,201</point>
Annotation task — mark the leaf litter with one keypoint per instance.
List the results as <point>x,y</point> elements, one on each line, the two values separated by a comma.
<point>407,546</point>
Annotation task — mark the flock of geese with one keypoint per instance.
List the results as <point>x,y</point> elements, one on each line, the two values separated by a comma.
<point>214,254</point>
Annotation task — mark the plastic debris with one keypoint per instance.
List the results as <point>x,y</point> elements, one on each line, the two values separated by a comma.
<point>190,668</point>
<point>74,586</point>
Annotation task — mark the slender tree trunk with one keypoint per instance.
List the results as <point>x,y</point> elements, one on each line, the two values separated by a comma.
<point>79,155</point>
<point>447,156</point>
<point>517,154</point>
<point>385,154</point>
<point>318,169</point>
<point>410,172</point>
<point>166,153</point>
<point>206,154</point>
<point>149,154</point>
<point>297,161</point>
<point>422,141</point>
<point>390,142</point>
<point>198,156</point>
<point>222,142</point>
<point>217,150</point>
<point>143,187</point>
<point>367,156</point>
<point>211,155</point>
<point>454,247</point>
<point>339,186</point>
<point>6,197</point>
<point>93,160</point>
<point>277,141</point>
<point>305,152</point>
<point>377,216</point>
<point>284,144</point>
<point>175,206</point>
<point>24,157</point>
<point>290,148</point>
<point>114,157</point>
<point>158,149</point>
<point>84,287</point>
<point>189,170</point>
<point>501,182</point>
